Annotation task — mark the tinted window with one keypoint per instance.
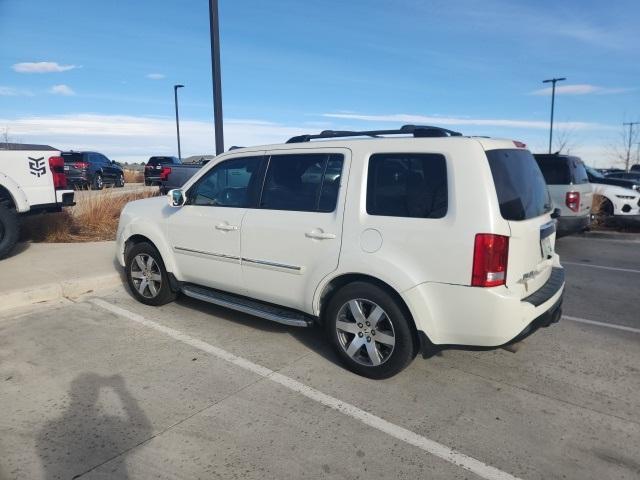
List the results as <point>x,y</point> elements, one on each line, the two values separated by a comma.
<point>522,192</point>
<point>579,172</point>
<point>407,185</point>
<point>228,184</point>
<point>555,169</point>
<point>307,182</point>
<point>72,157</point>
<point>153,161</point>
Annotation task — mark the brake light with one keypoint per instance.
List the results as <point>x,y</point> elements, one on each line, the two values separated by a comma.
<point>490,254</point>
<point>164,174</point>
<point>81,165</point>
<point>519,144</point>
<point>573,201</point>
<point>56,164</point>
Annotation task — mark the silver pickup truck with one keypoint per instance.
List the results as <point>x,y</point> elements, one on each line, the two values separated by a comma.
<point>174,176</point>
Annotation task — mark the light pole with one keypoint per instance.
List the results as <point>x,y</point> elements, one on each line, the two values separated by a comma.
<point>553,81</point>
<point>215,75</point>
<point>631,125</point>
<point>175,98</point>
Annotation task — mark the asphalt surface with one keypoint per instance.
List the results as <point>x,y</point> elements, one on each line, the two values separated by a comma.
<point>109,388</point>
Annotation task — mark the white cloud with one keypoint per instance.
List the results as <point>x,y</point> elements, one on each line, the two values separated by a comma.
<point>156,76</point>
<point>14,92</point>
<point>133,138</point>
<point>457,121</point>
<point>41,67</point>
<point>579,89</point>
<point>62,90</point>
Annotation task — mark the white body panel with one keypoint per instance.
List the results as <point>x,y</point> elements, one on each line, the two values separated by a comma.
<point>428,262</point>
<point>27,177</point>
<point>619,197</point>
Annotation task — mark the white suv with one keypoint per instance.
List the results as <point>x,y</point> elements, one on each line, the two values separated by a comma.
<point>394,244</point>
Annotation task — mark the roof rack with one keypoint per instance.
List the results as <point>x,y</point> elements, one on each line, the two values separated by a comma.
<point>415,130</point>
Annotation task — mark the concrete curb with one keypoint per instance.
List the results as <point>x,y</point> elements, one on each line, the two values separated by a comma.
<point>53,291</point>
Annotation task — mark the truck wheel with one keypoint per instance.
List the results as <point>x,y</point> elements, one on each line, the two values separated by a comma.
<point>9,230</point>
<point>120,181</point>
<point>147,276</point>
<point>97,183</point>
<point>370,331</point>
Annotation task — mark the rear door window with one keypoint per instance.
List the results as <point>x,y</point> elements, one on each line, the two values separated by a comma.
<point>520,186</point>
<point>407,185</point>
<point>302,182</point>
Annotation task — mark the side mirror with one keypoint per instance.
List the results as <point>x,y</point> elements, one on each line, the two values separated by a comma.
<point>176,197</point>
<point>555,213</point>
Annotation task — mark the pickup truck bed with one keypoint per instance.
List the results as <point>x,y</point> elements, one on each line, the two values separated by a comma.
<point>179,175</point>
<point>32,180</point>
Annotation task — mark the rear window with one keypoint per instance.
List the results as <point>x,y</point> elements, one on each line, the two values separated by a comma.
<point>521,188</point>
<point>555,170</point>
<point>72,157</point>
<point>153,161</point>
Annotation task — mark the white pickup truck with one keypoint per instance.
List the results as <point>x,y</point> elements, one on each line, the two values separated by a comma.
<point>32,180</point>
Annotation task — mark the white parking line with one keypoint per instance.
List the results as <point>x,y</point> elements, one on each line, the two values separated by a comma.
<point>615,269</point>
<point>430,446</point>
<point>602,324</point>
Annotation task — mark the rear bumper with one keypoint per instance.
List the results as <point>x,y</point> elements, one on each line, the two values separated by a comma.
<point>570,225</point>
<point>481,317</point>
<point>65,198</point>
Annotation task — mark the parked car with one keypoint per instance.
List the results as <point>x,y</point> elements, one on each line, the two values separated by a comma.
<point>633,176</point>
<point>92,170</point>
<point>570,191</point>
<point>620,197</point>
<point>153,169</point>
<point>423,240</point>
<point>32,181</point>
<point>175,176</point>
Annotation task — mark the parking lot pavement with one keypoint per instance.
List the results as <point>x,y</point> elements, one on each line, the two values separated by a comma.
<point>109,388</point>
<point>603,281</point>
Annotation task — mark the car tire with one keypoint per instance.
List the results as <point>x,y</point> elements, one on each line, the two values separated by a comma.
<point>97,183</point>
<point>157,289</point>
<point>378,349</point>
<point>120,181</point>
<point>9,230</point>
<point>606,208</point>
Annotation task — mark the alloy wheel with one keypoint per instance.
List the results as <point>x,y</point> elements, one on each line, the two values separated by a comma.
<point>365,332</point>
<point>145,275</point>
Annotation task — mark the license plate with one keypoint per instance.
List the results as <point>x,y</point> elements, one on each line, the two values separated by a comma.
<point>66,167</point>
<point>546,247</point>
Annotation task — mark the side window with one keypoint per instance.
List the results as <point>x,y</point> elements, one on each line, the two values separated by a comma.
<point>228,184</point>
<point>305,182</point>
<point>94,159</point>
<point>579,172</point>
<point>407,185</point>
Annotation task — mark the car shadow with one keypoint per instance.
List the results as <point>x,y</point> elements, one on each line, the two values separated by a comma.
<point>311,337</point>
<point>89,432</point>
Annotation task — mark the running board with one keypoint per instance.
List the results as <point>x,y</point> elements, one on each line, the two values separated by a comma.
<point>245,305</point>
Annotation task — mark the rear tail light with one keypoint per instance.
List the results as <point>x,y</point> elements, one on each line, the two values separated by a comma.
<point>573,201</point>
<point>81,165</point>
<point>56,164</point>
<point>519,144</point>
<point>164,174</point>
<point>490,254</point>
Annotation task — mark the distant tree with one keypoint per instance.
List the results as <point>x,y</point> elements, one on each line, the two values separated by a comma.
<point>622,145</point>
<point>5,138</point>
<point>564,141</point>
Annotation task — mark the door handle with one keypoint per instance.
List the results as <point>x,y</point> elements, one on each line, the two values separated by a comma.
<point>226,227</point>
<point>320,236</point>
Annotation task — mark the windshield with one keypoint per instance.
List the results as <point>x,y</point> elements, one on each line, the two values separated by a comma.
<point>521,188</point>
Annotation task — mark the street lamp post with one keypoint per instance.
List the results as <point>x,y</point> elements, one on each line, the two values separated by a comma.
<point>553,81</point>
<point>175,99</point>
<point>215,75</point>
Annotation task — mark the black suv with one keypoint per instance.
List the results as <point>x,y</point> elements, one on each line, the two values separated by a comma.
<point>153,169</point>
<point>91,169</point>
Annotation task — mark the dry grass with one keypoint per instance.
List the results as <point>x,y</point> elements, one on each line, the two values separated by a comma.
<point>133,176</point>
<point>94,218</point>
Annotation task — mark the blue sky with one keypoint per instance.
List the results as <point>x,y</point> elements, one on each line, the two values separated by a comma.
<point>301,66</point>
